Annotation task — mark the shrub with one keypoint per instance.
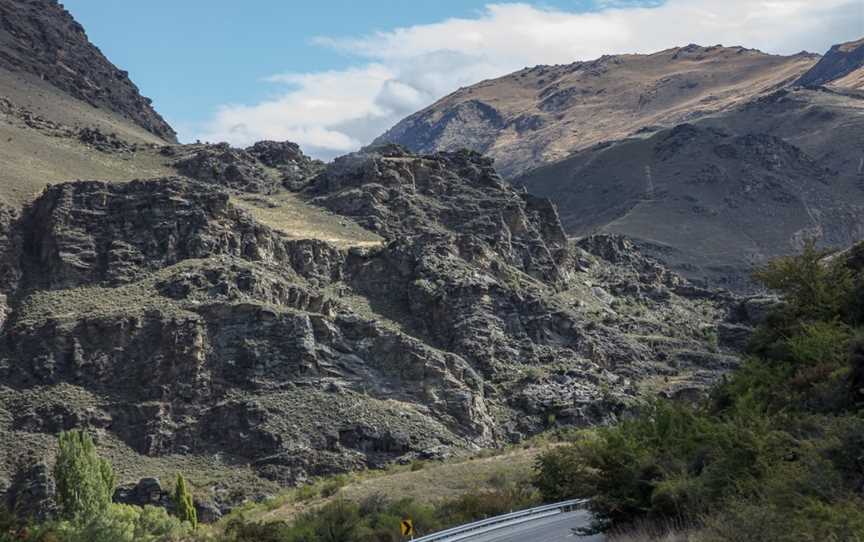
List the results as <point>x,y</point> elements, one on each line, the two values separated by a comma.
<point>856,369</point>
<point>238,530</point>
<point>333,485</point>
<point>306,493</point>
<point>336,521</point>
<point>812,288</point>
<point>671,461</point>
<point>124,523</point>
<point>776,452</point>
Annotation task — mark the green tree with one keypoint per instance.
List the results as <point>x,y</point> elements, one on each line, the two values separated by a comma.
<point>184,503</point>
<point>814,288</point>
<point>85,482</point>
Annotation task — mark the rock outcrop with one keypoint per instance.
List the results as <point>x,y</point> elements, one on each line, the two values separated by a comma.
<point>170,322</point>
<point>263,168</point>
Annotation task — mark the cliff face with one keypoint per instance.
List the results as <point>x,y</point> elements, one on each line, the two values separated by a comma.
<point>173,324</point>
<point>41,38</point>
<point>539,115</point>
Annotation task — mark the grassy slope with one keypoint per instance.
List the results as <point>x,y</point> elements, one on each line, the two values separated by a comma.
<point>288,213</point>
<point>33,158</point>
<point>431,483</point>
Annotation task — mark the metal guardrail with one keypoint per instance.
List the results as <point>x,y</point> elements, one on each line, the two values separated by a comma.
<point>499,522</point>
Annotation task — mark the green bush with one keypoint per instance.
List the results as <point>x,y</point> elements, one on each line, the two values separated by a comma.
<point>240,531</point>
<point>376,518</point>
<point>306,493</point>
<point>812,288</point>
<point>124,523</point>
<point>333,485</point>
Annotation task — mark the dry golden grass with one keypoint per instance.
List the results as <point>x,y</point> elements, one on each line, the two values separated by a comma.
<point>433,482</point>
<point>32,159</point>
<point>288,213</point>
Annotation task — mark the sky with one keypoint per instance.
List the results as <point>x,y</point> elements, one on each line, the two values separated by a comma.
<point>333,74</point>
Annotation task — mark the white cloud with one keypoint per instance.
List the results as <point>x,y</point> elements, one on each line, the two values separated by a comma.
<point>403,70</point>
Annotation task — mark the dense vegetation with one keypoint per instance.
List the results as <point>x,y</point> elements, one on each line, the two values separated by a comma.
<point>777,453</point>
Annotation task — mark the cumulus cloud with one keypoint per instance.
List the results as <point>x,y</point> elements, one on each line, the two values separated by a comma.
<point>400,71</point>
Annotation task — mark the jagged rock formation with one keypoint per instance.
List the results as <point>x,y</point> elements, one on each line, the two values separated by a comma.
<point>42,38</point>
<point>31,493</point>
<point>263,168</point>
<point>173,324</point>
<point>843,66</point>
<point>541,114</point>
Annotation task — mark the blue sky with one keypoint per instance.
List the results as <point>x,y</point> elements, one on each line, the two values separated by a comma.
<point>331,74</point>
<point>191,56</point>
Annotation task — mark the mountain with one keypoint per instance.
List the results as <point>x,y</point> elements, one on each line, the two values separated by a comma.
<point>254,318</point>
<point>842,66</point>
<point>66,112</point>
<point>542,114</point>
<point>39,37</point>
<point>715,196</point>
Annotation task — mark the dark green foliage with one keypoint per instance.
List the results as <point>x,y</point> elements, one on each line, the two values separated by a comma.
<point>183,502</point>
<point>776,454</point>
<point>85,482</point>
<point>856,369</point>
<point>812,288</point>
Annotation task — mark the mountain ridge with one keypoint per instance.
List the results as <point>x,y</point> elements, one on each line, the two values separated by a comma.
<point>541,114</point>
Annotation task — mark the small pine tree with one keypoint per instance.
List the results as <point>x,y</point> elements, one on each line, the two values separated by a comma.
<point>183,502</point>
<point>85,482</point>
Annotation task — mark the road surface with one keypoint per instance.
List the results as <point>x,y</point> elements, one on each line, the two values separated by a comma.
<point>557,528</point>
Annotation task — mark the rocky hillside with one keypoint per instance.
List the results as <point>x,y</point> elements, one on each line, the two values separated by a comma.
<point>842,66</point>
<point>713,197</point>
<point>65,111</point>
<point>542,114</point>
<point>41,38</point>
<point>190,336</point>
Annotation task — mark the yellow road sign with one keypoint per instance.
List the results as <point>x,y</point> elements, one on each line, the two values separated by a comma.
<point>407,527</point>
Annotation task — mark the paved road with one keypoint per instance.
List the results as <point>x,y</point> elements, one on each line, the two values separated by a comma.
<point>557,528</point>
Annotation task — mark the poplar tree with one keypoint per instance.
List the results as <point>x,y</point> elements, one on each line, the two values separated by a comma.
<point>183,502</point>
<point>85,482</point>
